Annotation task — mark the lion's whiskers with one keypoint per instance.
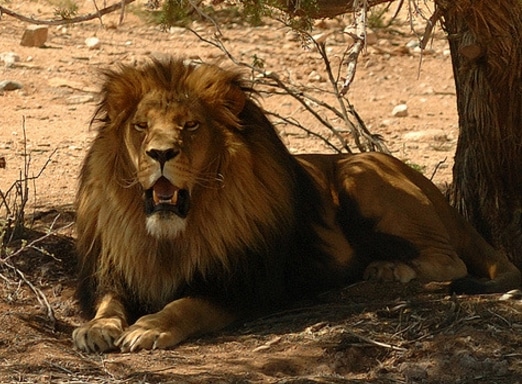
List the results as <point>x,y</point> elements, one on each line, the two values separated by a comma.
<point>213,176</point>
<point>207,182</point>
<point>130,182</point>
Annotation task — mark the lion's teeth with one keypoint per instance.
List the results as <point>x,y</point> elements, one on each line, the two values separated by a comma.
<point>165,199</point>
<point>163,192</point>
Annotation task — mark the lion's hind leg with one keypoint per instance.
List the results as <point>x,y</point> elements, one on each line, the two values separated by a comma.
<point>430,265</point>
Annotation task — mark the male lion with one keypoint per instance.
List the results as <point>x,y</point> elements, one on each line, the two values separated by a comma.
<point>192,214</point>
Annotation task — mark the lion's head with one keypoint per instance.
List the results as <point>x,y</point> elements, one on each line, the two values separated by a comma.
<point>183,176</point>
<point>177,122</point>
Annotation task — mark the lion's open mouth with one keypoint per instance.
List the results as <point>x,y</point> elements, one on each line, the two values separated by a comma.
<point>163,196</point>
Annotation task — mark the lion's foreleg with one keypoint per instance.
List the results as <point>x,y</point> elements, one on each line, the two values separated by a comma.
<point>100,334</point>
<point>176,322</point>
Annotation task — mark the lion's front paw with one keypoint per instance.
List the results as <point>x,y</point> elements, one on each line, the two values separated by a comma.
<point>148,333</point>
<point>389,271</point>
<point>98,335</point>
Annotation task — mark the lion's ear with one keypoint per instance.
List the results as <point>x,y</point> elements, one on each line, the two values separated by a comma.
<point>219,88</point>
<point>121,91</point>
<point>235,99</point>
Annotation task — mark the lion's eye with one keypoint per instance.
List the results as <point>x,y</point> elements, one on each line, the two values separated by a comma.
<point>141,126</point>
<point>191,126</point>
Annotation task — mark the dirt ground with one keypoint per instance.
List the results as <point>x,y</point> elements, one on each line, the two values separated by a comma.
<point>366,333</point>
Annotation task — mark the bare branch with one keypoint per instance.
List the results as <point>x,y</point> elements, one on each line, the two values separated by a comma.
<point>15,207</point>
<point>297,124</point>
<point>364,140</point>
<point>34,242</point>
<point>98,12</point>
<point>40,296</point>
<point>72,20</point>
<point>360,42</point>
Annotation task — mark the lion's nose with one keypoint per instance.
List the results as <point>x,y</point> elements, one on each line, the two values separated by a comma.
<point>162,155</point>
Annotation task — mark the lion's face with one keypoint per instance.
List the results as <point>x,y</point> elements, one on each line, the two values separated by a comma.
<point>171,145</point>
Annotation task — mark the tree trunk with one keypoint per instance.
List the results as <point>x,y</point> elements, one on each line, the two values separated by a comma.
<point>485,38</point>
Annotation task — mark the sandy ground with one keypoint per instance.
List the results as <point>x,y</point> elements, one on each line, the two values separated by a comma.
<point>365,333</point>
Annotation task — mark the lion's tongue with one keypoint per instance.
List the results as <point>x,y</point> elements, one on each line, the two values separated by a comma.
<point>164,192</point>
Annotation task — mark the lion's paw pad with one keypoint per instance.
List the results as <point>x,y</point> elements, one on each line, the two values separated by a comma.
<point>389,271</point>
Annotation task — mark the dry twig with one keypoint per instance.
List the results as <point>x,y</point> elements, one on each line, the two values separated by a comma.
<point>364,140</point>
<point>40,296</point>
<point>15,210</point>
<point>72,20</point>
<point>15,222</point>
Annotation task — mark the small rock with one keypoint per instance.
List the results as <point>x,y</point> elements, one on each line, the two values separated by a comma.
<point>428,135</point>
<point>10,85</point>
<point>9,58</point>
<point>177,30</point>
<point>315,77</point>
<point>400,110</point>
<point>415,43</point>
<point>93,43</point>
<point>34,36</point>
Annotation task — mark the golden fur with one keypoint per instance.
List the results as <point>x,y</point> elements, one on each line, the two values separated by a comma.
<point>191,214</point>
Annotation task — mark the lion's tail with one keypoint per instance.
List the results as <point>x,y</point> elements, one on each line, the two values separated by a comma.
<point>503,282</point>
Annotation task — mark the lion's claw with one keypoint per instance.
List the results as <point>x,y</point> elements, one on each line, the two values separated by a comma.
<point>146,334</point>
<point>137,338</point>
<point>98,335</point>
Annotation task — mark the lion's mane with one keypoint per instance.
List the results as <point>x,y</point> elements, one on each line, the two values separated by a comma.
<point>249,232</point>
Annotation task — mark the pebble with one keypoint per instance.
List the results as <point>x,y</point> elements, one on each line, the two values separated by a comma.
<point>400,110</point>
<point>428,135</point>
<point>314,76</point>
<point>415,43</point>
<point>10,85</point>
<point>177,30</point>
<point>9,58</point>
<point>93,43</point>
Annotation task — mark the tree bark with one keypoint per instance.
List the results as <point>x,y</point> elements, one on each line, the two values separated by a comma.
<point>486,49</point>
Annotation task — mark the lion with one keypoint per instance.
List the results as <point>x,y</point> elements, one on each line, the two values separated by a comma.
<point>193,215</point>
